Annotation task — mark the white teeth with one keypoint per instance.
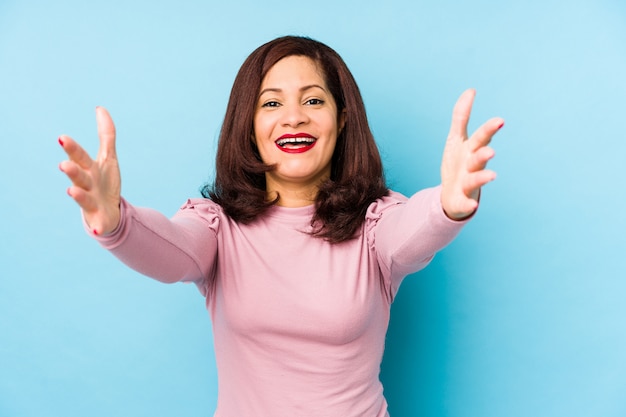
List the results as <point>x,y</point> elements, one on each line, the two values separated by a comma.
<point>283,142</point>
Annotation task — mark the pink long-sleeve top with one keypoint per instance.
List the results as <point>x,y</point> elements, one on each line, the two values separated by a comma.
<point>299,323</point>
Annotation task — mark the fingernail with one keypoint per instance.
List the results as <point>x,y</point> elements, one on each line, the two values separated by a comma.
<point>61,141</point>
<point>95,232</point>
<point>68,192</point>
<point>501,124</point>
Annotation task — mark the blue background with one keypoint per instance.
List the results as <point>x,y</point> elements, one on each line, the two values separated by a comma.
<point>523,315</point>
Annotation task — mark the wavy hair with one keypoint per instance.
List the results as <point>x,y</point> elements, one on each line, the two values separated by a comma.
<point>356,178</point>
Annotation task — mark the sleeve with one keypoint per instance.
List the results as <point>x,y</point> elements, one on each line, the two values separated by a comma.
<point>183,248</point>
<point>406,233</point>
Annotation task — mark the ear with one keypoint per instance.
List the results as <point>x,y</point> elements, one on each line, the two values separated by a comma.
<point>342,121</point>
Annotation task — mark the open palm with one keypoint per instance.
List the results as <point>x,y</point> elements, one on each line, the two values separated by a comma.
<point>96,183</point>
<point>463,167</point>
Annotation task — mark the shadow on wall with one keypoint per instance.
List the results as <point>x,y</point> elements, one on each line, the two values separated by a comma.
<point>413,369</point>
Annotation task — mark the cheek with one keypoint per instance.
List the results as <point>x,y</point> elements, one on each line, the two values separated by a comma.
<point>260,139</point>
<point>262,130</point>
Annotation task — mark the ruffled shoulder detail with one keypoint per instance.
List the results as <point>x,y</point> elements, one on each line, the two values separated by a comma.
<point>377,209</point>
<point>206,210</point>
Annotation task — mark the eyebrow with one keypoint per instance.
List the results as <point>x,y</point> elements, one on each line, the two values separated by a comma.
<point>279,90</point>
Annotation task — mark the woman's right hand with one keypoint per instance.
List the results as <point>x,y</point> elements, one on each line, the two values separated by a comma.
<point>96,184</point>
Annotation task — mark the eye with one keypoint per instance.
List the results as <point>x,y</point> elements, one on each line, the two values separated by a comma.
<point>314,102</point>
<point>270,104</point>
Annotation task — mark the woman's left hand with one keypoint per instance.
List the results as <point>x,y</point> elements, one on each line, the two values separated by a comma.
<point>463,168</point>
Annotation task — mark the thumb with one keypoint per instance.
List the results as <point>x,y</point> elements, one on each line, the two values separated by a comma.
<point>106,133</point>
<point>461,114</point>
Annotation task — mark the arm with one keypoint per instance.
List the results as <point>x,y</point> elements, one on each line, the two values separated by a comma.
<point>181,249</point>
<point>408,235</point>
<point>410,232</point>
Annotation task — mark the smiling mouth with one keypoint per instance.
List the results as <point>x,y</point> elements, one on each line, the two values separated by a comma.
<point>295,144</point>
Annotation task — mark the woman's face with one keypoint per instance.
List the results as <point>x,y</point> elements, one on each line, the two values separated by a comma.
<point>296,125</point>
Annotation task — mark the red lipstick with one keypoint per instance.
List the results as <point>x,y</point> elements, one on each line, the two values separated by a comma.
<point>295,142</point>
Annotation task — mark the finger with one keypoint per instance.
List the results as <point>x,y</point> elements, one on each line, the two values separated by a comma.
<point>479,159</point>
<point>86,202</point>
<point>106,133</point>
<point>75,152</point>
<point>483,135</point>
<point>461,114</point>
<point>476,180</point>
<point>76,174</point>
<point>464,208</point>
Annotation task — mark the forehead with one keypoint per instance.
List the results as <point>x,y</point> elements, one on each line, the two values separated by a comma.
<point>294,70</point>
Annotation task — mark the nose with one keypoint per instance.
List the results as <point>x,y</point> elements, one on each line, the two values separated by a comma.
<point>294,115</point>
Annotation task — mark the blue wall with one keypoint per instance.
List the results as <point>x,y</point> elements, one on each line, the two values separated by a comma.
<point>522,315</point>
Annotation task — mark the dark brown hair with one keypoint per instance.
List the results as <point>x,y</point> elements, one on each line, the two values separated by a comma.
<point>356,178</point>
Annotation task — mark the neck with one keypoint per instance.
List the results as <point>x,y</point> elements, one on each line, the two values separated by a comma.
<point>292,195</point>
<point>293,198</point>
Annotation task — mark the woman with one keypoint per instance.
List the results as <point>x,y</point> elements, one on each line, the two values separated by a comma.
<point>300,248</point>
